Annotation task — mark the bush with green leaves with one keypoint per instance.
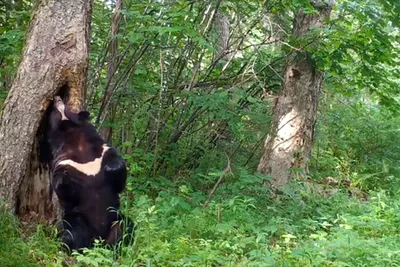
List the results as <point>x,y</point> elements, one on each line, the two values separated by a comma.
<point>358,141</point>
<point>241,226</point>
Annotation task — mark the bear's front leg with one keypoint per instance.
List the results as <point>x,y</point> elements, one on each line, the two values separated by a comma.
<point>115,170</point>
<point>57,180</point>
<point>67,191</point>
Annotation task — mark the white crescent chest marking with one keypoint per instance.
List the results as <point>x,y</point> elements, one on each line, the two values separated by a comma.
<point>88,168</point>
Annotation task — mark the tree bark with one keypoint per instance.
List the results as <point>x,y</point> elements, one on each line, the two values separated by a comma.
<point>109,109</point>
<point>294,115</point>
<point>222,26</point>
<point>54,61</point>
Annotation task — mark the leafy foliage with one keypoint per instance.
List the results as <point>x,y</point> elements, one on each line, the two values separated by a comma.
<point>359,141</point>
<point>14,16</point>
<point>182,102</point>
<point>297,228</point>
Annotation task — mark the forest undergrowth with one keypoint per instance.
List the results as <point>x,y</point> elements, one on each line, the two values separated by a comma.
<point>310,222</point>
<point>297,228</point>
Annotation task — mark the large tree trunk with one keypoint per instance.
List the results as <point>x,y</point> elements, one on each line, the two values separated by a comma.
<point>54,61</point>
<point>294,115</point>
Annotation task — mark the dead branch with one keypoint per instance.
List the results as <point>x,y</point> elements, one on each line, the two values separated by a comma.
<point>221,178</point>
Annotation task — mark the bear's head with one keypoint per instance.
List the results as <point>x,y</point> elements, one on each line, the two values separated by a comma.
<point>61,116</point>
<point>69,133</point>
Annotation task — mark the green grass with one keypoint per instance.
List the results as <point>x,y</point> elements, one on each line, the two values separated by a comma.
<point>295,229</point>
<point>34,250</point>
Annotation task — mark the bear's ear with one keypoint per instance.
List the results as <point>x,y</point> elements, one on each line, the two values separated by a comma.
<point>84,115</point>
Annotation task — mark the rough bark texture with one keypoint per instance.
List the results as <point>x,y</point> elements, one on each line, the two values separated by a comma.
<point>54,61</point>
<point>294,115</point>
<point>222,30</point>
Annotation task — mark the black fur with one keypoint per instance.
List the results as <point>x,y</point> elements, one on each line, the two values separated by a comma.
<point>90,202</point>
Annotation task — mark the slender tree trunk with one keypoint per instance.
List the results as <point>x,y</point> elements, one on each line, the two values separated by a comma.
<point>54,61</point>
<point>109,109</point>
<point>222,26</point>
<point>294,115</point>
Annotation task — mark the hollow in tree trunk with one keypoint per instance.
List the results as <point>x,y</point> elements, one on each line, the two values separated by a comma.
<point>54,61</point>
<point>295,110</point>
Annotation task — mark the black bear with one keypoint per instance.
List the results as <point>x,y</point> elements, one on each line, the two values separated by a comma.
<point>87,175</point>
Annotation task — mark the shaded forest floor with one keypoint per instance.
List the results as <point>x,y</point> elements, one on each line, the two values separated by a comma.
<point>304,225</point>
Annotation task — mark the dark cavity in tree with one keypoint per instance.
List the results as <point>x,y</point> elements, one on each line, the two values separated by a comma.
<point>39,165</point>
